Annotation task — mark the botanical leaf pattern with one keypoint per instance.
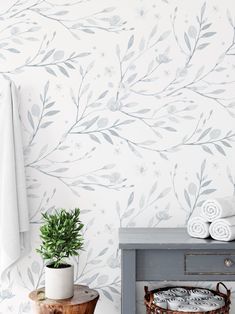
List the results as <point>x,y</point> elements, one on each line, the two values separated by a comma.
<point>127,112</point>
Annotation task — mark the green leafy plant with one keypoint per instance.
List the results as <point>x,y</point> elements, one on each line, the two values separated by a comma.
<point>61,236</point>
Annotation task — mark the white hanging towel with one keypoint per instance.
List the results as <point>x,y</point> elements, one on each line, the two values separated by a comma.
<point>14,219</point>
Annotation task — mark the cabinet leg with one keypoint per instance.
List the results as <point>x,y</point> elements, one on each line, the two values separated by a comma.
<point>128,293</point>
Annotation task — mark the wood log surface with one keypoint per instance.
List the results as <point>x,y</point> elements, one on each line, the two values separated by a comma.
<point>83,302</point>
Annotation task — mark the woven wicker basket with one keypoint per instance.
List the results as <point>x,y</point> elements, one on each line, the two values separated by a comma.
<point>152,308</point>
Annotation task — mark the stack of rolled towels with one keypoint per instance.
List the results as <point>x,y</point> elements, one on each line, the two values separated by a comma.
<point>216,218</point>
<point>188,300</point>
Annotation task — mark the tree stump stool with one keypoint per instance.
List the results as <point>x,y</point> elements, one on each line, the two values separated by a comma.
<point>83,302</point>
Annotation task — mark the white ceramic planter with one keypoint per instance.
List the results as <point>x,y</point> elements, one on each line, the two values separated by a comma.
<point>59,282</point>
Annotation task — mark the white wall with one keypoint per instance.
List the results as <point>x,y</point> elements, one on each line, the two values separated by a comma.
<point>128,112</point>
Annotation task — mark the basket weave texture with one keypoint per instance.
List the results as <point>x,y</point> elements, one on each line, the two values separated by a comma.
<point>152,308</point>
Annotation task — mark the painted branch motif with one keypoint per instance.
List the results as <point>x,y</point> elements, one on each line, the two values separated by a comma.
<point>127,112</point>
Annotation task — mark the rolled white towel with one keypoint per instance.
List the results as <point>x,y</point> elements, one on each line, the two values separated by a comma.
<point>161,302</point>
<point>200,293</point>
<point>217,299</point>
<point>192,299</point>
<point>206,305</point>
<point>189,308</point>
<point>223,229</point>
<point>173,303</point>
<point>166,294</point>
<point>197,227</point>
<point>179,292</point>
<point>209,306</point>
<point>213,209</point>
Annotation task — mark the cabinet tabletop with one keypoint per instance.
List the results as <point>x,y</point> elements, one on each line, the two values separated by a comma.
<point>166,238</point>
<point>82,294</point>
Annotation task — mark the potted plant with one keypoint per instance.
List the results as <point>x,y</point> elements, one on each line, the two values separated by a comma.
<point>61,238</point>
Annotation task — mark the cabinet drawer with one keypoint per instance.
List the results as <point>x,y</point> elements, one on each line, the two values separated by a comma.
<point>209,264</point>
<point>159,265</point>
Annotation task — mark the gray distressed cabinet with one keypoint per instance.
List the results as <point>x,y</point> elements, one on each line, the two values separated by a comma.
<point>152,254</point>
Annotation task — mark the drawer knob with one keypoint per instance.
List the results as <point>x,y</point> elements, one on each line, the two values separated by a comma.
<point>228,262</point>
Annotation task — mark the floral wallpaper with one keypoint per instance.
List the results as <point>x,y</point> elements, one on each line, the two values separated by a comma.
<point>127,111</point>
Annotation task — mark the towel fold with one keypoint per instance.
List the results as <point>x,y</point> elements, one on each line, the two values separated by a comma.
<point>179,292</point>
<point>191,299</point>
<point>189,308</point>
<point>206,305</point>
<point>14,221</point>
<point>161,302</point>
<point>217,299</point>
<point>200,293</point>
<point>165,294</point>
<point>209,306</point>
<point>173,303</point>
<point>223,229</point>
<point>213,209</point>
<point>197,227</point>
